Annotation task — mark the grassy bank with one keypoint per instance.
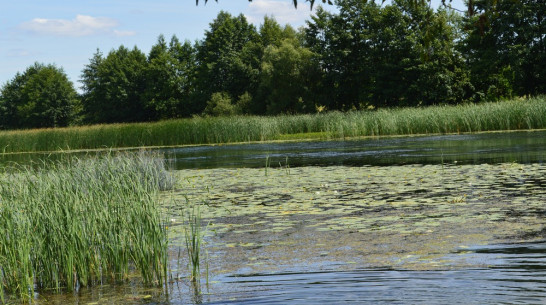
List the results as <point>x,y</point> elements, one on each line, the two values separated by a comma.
<point>81,222</point>
<point>507,115</point>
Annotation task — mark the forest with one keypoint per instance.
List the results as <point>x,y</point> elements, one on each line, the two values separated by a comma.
<point>367,56</point>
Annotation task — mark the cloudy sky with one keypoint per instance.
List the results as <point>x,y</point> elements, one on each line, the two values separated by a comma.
<point>68,32</point>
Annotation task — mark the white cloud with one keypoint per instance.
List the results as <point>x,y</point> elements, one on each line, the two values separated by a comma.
<point>82,25</point>
<point>282,10</point>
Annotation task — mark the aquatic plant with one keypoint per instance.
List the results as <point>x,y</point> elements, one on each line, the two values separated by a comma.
<point>194,238</point>
<point>267,165</point>
<point>507,115</point>
<point>80,223</point>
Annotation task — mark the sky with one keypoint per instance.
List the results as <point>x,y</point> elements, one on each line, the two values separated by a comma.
<point>68,32</point>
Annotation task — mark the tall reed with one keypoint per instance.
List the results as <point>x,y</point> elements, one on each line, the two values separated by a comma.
<point>81,223</point>
<point>194,238</point>
<point>506,115</point>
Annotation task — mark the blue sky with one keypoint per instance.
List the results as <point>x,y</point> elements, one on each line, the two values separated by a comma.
<point>68,32</point>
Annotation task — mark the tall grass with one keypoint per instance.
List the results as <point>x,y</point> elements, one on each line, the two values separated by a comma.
<point>80,223</point>
<point>506,115</point>
<point>193,237</point>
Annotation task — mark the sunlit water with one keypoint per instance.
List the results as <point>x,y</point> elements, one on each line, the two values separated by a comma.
<point>516,274</point>
<point>508,273</point>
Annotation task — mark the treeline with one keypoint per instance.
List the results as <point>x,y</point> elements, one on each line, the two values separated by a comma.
<point>366,56</point>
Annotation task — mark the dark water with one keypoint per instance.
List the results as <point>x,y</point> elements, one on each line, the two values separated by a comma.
<point>521,147</point>
<point>512,274</point>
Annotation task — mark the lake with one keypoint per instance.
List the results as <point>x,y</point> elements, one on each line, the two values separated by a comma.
<point>522,147</point>
<point>454,219</point>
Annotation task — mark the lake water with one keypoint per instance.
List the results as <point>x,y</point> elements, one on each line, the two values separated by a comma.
<point>516,275</point>
<point>455,219</point>
<point>498,273</point>
<point>522,147</point>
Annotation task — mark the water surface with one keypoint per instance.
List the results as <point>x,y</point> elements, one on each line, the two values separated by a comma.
<point>522,147</point>
<point>454,219</point>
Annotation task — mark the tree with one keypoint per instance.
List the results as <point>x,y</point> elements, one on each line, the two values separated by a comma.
<point>272,33</point>
<point>227,58</point>
<point>114,87</point>
<point>286,78</point>
<point>397,55</point>
<point>40,97</point>
<point>505,47</point>
<point>295,2</point>
<point>220,105</point>
<point>170,74</point>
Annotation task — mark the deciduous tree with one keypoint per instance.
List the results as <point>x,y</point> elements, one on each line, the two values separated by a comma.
<point>42,96</point>
<point>114,87</point>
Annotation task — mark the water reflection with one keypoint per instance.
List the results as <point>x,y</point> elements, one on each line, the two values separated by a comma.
<point>521,147</point>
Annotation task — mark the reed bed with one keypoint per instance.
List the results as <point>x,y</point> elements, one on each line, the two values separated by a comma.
<point>80,223</point>
<point>518,114</point>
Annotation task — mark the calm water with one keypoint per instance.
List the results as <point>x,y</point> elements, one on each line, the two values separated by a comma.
<point>522,147</point>
<point>510,273</point>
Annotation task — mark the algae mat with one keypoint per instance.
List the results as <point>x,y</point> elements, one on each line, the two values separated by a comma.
<point>344,218</point>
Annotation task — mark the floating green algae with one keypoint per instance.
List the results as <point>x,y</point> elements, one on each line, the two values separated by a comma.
<point>408,217</point>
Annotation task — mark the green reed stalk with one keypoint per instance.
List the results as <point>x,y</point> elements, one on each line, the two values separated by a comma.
<point>194,238</point>
<point>507,115</point>
<point>81,223</point>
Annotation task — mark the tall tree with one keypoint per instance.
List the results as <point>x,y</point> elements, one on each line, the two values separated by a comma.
<point>169,77</point>
<point>395,55</point>
<point>114,87</point>
<point>505,47</point>
<point>227,58</point>
<point>288,72</point>
<point>42,96</point>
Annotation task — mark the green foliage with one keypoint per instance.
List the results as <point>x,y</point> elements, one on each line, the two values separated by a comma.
<point>40,97</point>
<point>508,115</point>
<point>366,55</point>
<point>114,87</point>
<point>287,72</point>
<point>243,104</point>
<point>220,105</point>
<point>228,57</point>
<point>396,55</point>
<point>505,47</point>
<point>170,77</point>
<point>81,223</point>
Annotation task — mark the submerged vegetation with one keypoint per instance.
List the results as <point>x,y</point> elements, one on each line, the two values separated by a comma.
<point>81,223</point>
<point>518,114</point>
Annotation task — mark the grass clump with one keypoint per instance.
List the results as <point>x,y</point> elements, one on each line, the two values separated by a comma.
<point>81,223</point>
<point>518,114</point>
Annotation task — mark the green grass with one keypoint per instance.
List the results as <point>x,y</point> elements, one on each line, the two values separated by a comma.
<point>194,237</point>
<point>80,223</point>
<point>517,114</point>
